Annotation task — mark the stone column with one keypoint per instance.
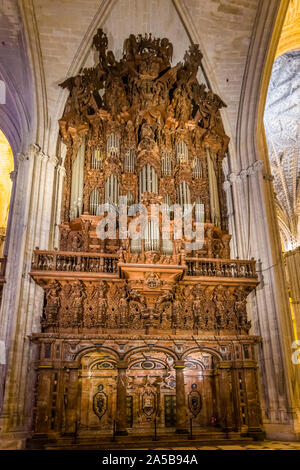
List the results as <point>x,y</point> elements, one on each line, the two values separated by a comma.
<point>22,301</point>
<point>121,399</point>
<point>181,412</point>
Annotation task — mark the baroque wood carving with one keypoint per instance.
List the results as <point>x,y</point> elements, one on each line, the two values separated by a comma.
<point>157,328</point>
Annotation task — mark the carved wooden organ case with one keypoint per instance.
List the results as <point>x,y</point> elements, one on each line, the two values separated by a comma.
<point>142,128</point>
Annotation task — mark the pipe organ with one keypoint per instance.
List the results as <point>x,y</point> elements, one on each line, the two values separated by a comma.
<point>154,326</point>
<point>77,183</point>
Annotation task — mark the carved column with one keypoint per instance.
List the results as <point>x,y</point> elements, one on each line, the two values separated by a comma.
<point>214,387</point>
<point>71,402</point>
<point>226,409</point>
<point>253,408</point>
<point>181,414</point>
<point>121,399</point>
<point>42,421</point>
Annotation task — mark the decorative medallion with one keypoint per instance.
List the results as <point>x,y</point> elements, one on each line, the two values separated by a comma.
<point>100,402</point>
<point>148,403</point>
<point>152,281</point>
<point>194,400</point>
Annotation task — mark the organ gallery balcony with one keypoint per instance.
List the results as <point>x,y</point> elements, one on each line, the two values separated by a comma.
<point>86,265</point>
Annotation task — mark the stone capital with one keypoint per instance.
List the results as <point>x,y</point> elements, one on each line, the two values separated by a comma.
<point>61,170</point>
<point>53,160</point>
<point>21,157</point>
<point>233,177</point>
<point>226,185</point>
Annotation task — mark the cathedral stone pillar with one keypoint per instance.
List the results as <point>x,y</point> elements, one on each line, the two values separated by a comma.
<point>181,413</point>
<point>121,399</point>
<point>226,408</point>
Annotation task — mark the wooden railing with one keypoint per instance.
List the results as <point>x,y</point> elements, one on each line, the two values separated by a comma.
<point>220,267</point>
<point>108,263</point>
<point>74,262</point>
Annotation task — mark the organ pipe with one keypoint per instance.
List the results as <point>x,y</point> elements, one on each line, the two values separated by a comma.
<point>213,190</point>
<point>77,183</point>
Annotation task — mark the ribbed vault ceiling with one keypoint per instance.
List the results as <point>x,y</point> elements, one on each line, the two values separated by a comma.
<point>282,124</point>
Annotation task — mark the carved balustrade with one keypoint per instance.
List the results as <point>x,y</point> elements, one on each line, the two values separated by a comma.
<point>213,267</point>
<point>74,262</point>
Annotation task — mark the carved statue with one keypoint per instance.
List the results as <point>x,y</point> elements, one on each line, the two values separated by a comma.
<point>219,297</point>
<point>240,295</point>
<point>76,302</point>
<point>198,308</point>
<point>102,307</point>
<point>123,312</point>
<point>177,314</point>
<point>52,303</point>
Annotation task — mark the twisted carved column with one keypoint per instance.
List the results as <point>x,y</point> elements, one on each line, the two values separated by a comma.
<point>181,414</point>
<point>121,399</point>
